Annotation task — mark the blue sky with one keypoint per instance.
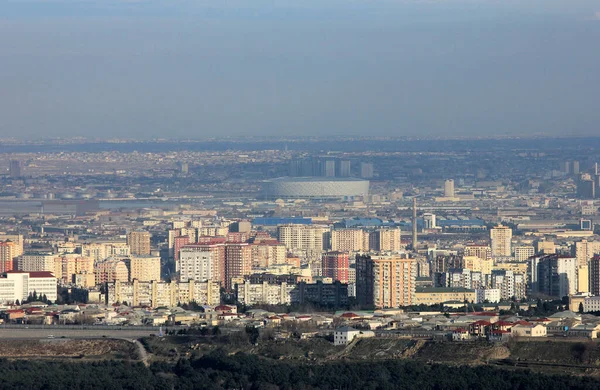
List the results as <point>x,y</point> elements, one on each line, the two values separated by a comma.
<point>194,69</point>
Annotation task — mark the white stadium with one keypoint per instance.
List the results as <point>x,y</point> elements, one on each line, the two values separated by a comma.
<point>315,187</point>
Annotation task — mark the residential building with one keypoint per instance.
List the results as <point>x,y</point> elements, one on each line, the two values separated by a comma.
<point>250,294</point>
<point>8,253</point>
<point>266,254</point>
<point>436,295</point>
<point>481,251</point>
<point>238,262</point>
<point>510,284</point>
<point>491,295</point>
<point>144,268</point>
<point>139,242</point>
<point>111,270</point>
<point>335,266</point>
<point>585,250</point>
<point>385,281</point>
<point>349,240</point>
<point>385,240</point>
<point>169,294</point>
<point>501,237</point>
<point>202,262</point>
<point>36,262</point>
<point>554,275</point>
<point>303,237</point>
<point>346,334</point>
<point>522,253</point>
<point>68,265</point>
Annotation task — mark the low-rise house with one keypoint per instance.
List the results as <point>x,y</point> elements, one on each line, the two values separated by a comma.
<point>499,336</point>
<point>589,331</point>
<point>557,328</point>
<point>460,334</point>
<point>530,330</point>
<point>502,325</point>
<point>479,328</point>
<point>346,334</point>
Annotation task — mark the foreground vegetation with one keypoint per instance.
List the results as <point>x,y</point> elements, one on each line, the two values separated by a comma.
<point>243,371</point>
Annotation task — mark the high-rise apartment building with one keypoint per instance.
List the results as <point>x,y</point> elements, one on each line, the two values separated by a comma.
<point>139,242</point>
<point>68,265</point>
<point>449,188</point>
<point>30,262</point>
<point>477,264</point>
<point>585,251</point>
<point>17,239</point>
<point>265,254</point>
<point>238,262</point>
<point>343,168</point>
<point>144,268</point>
<point>15,169</point>
<point>385,281</point>
<point>522,253</point>
<point>480,251</point>
<point>202,262</point>
<point>329,168</point>
<point>501,237</point>
<point>178,243</point>
<point>303,237</point>
<point>510,284</point>
<point>111,270</point>
<point>366,170</point>
<point>594,272</point>
<point>349,240</point>
<point>335,265</point>
<point>553,275</point>
<point>8,253</point>
<point>385,240</point>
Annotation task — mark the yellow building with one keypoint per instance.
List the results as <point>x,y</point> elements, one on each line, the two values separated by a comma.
<point>144,268</point>
<point>477,264</point>
<point>583,281</point>
<point>437,295</point>
<point>139,242</point>
<point>169,294</point>
<point>349,240</point>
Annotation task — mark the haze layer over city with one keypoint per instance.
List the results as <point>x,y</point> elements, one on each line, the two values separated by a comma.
<point>299,195</point>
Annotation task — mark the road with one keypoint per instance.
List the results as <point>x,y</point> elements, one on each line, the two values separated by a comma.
<point>74,333</point>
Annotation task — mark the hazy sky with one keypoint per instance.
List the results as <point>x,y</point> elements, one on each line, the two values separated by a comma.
<point>198,68</point>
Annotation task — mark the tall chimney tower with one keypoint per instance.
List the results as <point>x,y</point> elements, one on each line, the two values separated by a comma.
<point>414,224</point>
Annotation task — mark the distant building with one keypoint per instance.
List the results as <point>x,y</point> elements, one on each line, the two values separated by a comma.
<point>385,281</point>
<point>139,242</point>
<point>144,268</point>
<point>15,169</point>
<point>335,265</point>
<point>366,170</point>
<point>304,237</point>
<point>522,253</point>
<point>17,285</point>
<point>554,275</point>
<point>436,295</point>
<point>169,294</point>
<point>501,237</point>
<point>429,221</point>
<point>343,168</point>
<point>385,240</point>
<point>349,240</point>
<point>30,262</point>
<point>449,188</point>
